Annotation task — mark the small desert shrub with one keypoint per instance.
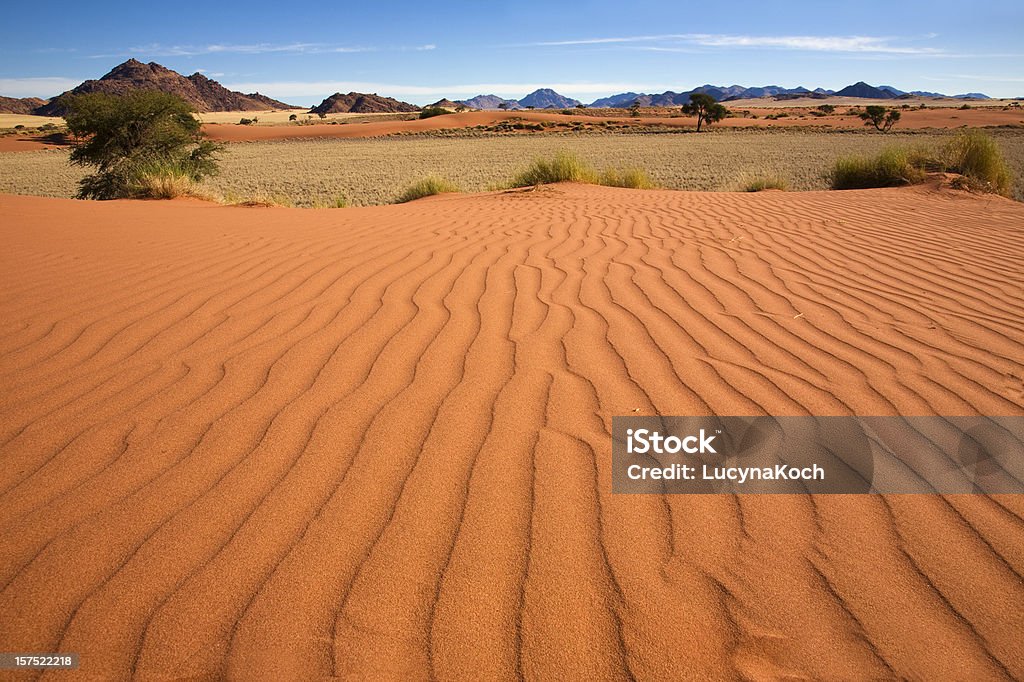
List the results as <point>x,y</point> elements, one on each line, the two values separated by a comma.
<point>426,187</point>
<point>892,167</point>
<point>975,155</point>
<point>759,183</point>
<point>633,178</point>
<point>564,167</point>
<point>246,122</point>
<point>168,183</point>
<point>430,112</point>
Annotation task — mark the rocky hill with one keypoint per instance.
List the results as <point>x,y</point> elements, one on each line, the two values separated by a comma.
<point>361,103</point>
<point>201,92</point>
<point>25,105</point>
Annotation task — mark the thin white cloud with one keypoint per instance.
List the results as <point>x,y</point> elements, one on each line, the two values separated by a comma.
<point>47,86</point>
<point>675,41</point>
<point>160,50</point>
<point>988,79</point>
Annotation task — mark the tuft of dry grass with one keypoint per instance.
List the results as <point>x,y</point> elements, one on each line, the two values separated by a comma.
<point>761,182</point>
<point>426,187</point>
<point>633,178</point>
<point>171,184</point>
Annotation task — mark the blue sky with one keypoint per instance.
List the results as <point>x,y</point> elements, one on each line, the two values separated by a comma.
<point>421,51</point>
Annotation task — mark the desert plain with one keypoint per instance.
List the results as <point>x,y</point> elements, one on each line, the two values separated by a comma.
<point>374,442</point>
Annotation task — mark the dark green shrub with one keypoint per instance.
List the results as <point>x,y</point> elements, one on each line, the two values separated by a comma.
<point>134,137</point>
<point>430,112</point>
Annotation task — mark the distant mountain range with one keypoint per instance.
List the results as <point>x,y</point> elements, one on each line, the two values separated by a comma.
<point>549,99</point>
<point>205,94</point>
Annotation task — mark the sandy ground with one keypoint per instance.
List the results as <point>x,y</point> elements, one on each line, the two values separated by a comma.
<point>374,442</point>
<point>935,117</point>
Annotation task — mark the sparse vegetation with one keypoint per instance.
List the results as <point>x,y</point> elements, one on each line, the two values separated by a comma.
<point>826,109</point>
<point>375,171</point>
<point>134,140</point>
<point>705,108</point>
<point>880,117</point>
<point>426,187</point>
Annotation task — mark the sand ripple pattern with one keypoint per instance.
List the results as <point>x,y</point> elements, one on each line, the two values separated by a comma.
<point>374,443</point>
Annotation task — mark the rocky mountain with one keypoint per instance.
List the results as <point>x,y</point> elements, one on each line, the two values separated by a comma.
<point>25,105</point>
<point>201,92</point>
<point>489,102</point>
<point>361,103</point>
<point>862,89</point>
<point>546,98</point>
<point>623,100</point>
<point>444,104</point>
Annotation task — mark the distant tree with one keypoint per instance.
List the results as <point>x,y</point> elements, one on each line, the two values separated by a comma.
<point>133,137</point>
<point>826,109</point>
<point>503,105</point>
<point>705,108</point>
<point>459,109</point>
<point>322,115</point>
<point>634,109</point>
<point>531,107</point>
<point>581,106</point>
<point>293,117</point>
<point>881,118</point>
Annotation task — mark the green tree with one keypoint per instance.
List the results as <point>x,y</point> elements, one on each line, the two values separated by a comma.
<point>634,109</point>
<point>131,137</point>
<point>883,119</point>
<point>705,108</point>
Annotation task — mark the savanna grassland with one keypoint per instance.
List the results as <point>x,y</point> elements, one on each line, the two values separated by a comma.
<point>377,171</point>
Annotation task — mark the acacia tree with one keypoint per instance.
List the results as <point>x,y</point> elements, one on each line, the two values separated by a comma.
<point>705,108</point>
<point>134,136</point>
<point>883,119</point>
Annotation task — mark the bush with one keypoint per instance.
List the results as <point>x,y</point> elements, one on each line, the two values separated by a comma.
<point>705,108</point>
<point>760,183</point>
<point>634,178</point>
<point>430,112</point>
<point>893,167</point>
<point>246,121</point>
<point>975,155</point>
<point>426,187</point>
<point>564,167</point>
<point>881,118</point>
<point>134,138</point>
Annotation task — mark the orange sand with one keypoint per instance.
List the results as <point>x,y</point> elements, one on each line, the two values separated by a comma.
<point>947,117</point>
<point>374,442</point>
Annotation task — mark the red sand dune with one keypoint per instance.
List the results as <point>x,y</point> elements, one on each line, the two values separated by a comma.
<point>928,118</point>
<point>374,442</point>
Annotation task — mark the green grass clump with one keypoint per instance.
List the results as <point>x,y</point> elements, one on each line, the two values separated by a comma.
<point>975,155</point>
<point>633,178</point>
<point>426,187</point>
<point>563,167</point>
<point>892,167</point>
<point>760,183</point>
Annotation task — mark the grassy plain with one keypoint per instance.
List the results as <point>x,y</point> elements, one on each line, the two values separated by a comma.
<point>376,171</point>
